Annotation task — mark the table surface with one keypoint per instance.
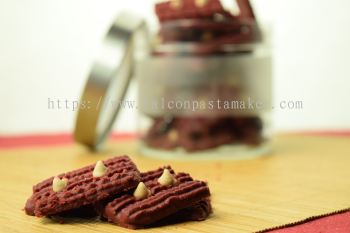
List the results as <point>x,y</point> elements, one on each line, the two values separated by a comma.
<point>305,176</point>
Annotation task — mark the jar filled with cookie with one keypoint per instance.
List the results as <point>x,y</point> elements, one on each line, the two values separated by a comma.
<point>205,90</point>
<point>204,82</point>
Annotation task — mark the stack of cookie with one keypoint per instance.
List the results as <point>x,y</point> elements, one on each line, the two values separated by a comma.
<point>203,133</point>
<point>205,28</point>
<point>207,25</point>
<point>116,191</point>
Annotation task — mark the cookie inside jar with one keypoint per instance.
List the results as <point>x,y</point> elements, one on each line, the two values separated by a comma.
<point>206,89</point>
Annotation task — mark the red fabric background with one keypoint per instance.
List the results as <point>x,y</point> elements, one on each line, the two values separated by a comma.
<point>336,223</point>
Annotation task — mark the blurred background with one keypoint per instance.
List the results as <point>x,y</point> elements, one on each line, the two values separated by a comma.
<point>47,47</point>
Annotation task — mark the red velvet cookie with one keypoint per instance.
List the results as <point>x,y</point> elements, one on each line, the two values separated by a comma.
<point>189,9</point>
<point>80,187</point>
<point>184,199</point>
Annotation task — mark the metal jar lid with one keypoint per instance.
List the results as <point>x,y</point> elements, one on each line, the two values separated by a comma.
<point>109,79</point>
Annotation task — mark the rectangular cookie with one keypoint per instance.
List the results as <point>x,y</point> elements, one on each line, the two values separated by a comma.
<point>185,199</point>
<point>189,9</point>
<point>82,187</point>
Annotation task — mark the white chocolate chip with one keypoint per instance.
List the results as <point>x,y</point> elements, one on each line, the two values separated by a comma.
<point>100,169</point>
<point>59,184</point>
<point>176,4</point>
<point>219,17</point>
<point>201,3</point>
<point>173,135</point>
<point>141,192</point>
<point>166,178</point>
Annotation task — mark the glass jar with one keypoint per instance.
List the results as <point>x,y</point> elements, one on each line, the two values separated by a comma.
<point>204,89</point>
<point>201,100</point>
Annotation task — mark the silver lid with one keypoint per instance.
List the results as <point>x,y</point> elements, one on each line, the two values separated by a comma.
<point>108,80</point>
